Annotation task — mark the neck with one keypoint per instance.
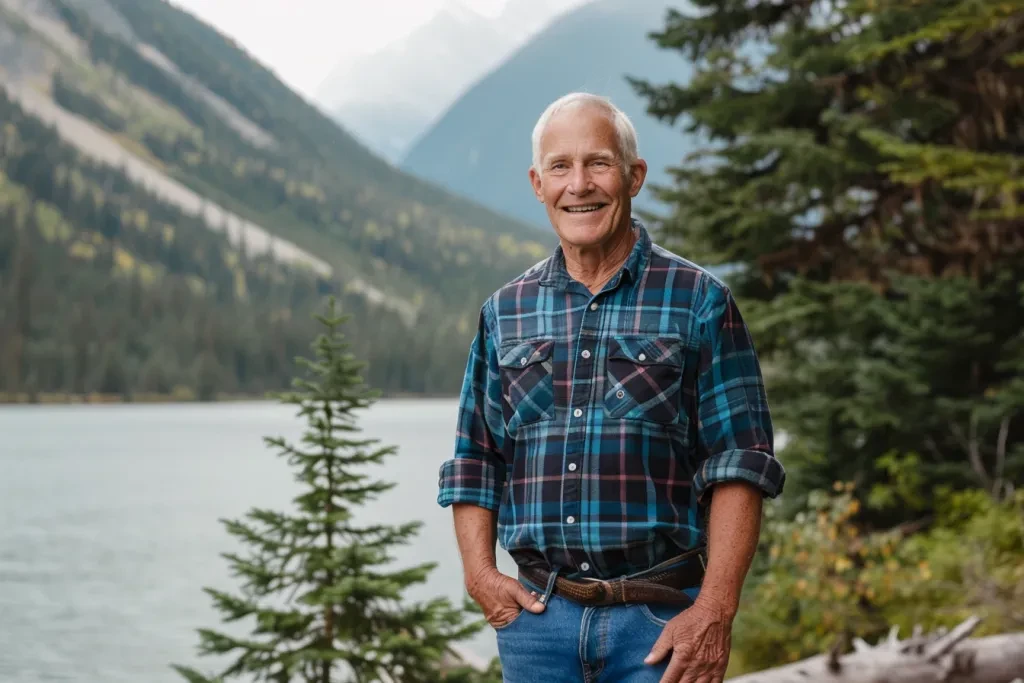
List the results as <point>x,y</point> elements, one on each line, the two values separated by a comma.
<point>593,266</point>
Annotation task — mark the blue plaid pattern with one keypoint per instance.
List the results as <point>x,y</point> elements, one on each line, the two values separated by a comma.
<point>596,424</point>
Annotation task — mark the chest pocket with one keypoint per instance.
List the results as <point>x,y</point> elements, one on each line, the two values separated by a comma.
<point>644,379</point>
<point>527,383</point>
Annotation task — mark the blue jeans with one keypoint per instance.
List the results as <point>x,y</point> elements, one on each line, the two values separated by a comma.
<point>570,643</point>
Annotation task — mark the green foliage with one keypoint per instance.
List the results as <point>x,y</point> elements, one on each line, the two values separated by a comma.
<point>825,578</point>
<point>930,367</point>
<point>317,589</point>
<point>868,200</point>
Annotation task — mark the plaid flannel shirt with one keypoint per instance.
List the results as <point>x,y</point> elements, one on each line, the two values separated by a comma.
<point>596,424</point>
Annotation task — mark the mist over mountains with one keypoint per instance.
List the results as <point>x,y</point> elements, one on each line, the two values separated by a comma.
<point>389,98</point>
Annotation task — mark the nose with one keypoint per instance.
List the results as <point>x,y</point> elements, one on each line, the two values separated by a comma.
<point>579,182</point>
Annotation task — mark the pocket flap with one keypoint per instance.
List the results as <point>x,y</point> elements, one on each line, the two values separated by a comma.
<point>525,354</point>
<point>646,350</point>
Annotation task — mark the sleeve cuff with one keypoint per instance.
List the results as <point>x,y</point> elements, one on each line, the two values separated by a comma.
<point>758,468</point>
<point>469,480</point>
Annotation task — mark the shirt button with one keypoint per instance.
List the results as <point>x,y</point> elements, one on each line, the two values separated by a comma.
<point>577,412</point>
<point>585,354</point>
<point>522,361</point>
<point>585,567</point>
<point>642,357</point>
<point>593,306</point>
<point>620,393</point>
<point>570,519</point>
<point>572,467</point>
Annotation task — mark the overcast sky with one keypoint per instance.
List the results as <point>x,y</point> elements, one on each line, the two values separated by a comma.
<point>303,40</point>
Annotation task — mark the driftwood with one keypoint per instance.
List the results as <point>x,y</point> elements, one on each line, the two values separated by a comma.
<point>942,656</point>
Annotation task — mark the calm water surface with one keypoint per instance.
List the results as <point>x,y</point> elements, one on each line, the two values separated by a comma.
<point>109,525</point>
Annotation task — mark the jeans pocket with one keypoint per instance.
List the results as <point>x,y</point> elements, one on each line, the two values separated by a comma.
<point>644,379</point>
<point>510,623</point>
<point>660,614</point>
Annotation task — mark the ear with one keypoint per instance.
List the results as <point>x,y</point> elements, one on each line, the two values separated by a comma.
<point>535,182</point>
<point>637,175</point>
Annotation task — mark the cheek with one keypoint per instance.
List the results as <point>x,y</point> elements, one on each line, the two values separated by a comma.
<point>551,192</point>
<point>613,185</point>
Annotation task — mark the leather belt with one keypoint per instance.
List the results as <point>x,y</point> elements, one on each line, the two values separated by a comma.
<point>663,583</point>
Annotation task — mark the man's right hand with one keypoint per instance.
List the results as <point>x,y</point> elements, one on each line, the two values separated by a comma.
<point>501,597</point>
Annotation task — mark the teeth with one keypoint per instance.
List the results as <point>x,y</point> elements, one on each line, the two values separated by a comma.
<point>583,209</point>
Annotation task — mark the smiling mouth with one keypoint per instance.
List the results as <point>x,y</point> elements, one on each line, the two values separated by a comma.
<point>585,208</point>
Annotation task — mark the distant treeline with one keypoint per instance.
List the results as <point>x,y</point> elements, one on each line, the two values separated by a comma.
<point>104,288</point>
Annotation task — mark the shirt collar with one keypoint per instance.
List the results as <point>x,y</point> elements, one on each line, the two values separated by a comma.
<point>556,275</point>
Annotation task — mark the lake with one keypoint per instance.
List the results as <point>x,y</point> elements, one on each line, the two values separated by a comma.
<point>109,525</point>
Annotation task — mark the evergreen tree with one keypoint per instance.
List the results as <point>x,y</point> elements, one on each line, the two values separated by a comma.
<point>323,603</point>
<point>863,176</point>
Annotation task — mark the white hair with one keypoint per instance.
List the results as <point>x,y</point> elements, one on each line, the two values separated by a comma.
<point>624,130</point>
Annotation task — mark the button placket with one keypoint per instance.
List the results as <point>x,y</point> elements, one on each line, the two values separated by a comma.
<point>583,382</point>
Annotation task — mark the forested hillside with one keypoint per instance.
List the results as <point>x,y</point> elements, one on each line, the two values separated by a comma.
<point>106,287</point>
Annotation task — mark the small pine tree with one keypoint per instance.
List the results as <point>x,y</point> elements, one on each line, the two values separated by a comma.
<point>323,605</point>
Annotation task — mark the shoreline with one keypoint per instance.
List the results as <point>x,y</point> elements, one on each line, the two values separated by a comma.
<point>56,398</point>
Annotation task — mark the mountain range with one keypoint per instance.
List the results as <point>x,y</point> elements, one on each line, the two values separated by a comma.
<point>481,147</point>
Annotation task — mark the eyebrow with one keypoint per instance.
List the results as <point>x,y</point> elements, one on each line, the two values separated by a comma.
<point>602,154</point>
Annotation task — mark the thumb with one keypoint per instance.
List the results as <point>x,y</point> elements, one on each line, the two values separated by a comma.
<point>528,600</point>
<point>662,646</point>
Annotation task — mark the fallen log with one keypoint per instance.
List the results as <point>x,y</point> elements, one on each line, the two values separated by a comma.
<point>947,656</point>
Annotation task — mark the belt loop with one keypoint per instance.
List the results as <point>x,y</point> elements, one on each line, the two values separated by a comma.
<point>549,589</point>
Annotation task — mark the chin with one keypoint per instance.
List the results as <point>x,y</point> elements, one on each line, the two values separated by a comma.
<point>584,235</point>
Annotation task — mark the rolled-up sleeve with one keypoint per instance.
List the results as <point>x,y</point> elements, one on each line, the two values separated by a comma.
<point>476,472</point>
<point>734,431</point>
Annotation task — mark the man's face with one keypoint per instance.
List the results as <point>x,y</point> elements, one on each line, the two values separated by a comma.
<point>583,183</point>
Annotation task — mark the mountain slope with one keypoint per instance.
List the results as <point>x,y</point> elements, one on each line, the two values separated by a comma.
<point>390,97</point>
<point>201,134</point>
<point>480,148</point>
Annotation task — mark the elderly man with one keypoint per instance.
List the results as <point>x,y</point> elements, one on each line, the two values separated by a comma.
<point>613,434</point>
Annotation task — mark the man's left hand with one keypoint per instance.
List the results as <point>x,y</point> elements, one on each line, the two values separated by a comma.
<point>699,639</point>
